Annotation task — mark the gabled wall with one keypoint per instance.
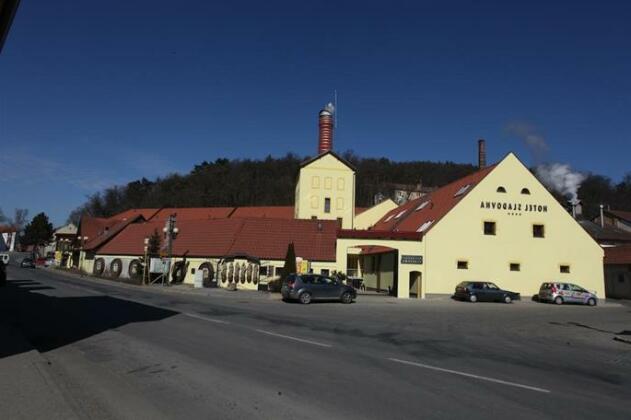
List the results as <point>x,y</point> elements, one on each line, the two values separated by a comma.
<point>326,177</point>
<point>459,236</point>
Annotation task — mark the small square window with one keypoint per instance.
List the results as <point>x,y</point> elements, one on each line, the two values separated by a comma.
<point>324,271</point>
<point>538,231</point>
<point>463,265</point>
<point>515,267</point>
<point>327,205</point>
<point>564,269</point>
<point>489,228</point>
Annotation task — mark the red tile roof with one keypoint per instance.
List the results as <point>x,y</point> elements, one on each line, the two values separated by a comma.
<point>93,227</point>
<point>7,229</point>
<point>146,213</point>
<point>406,218</point>
<point>111,232</point>
<point>624,215</point>
<point>193,213</point>
<point>374,249</point>
<point>618,254</point>
<point>259,237</point>
<point>269,212</point>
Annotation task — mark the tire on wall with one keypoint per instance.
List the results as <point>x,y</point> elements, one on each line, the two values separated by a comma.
<point>116,267</point>
<point>135,270</point>
<point>209,275</point>
<point>99,267</point>
<point>178,273</point>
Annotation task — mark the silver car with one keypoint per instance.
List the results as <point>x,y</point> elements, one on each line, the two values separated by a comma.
<point>560,293</point>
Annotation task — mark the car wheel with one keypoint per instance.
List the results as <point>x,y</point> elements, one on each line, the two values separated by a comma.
<point>558,300</point>
<point>507,299</point>
<point>473,298</point>
<point>347,297</point>
<point>591,302</point>
<point>305,298</point>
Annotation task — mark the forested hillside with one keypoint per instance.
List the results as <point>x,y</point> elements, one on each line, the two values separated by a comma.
<point>272,181</point>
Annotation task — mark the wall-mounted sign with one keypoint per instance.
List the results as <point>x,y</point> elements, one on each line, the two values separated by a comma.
<point>411,259</point>
<point>523,207</point>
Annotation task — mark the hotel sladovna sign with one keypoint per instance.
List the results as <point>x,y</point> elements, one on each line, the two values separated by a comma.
<point>514,207</point>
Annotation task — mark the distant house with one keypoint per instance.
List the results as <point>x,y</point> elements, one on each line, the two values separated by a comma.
<point>8,235</point>
<point>617,218</point>
<point>607,235</point>
<point>618,272</point>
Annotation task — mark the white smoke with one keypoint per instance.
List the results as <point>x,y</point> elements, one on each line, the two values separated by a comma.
<point>561,178</point>
<point>530,135</point>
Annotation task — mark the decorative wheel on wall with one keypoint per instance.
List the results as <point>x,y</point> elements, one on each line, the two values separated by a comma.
<point>116,266</point>
<point>208,274</point>
<point>99,266</point>
<point>135,270</point>
<point>179,272</point>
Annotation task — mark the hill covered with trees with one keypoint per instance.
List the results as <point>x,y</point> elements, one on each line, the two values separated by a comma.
<point>271,182</point>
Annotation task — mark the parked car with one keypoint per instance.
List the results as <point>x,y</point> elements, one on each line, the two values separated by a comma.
<point>483,291</point>
<point>560,293</point>
<point>27,263</point>
<point>308,287</point>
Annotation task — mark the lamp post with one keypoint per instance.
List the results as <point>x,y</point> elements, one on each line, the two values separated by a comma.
<point>82,240</point>
<point>170,232</point>
<point>144,268</point>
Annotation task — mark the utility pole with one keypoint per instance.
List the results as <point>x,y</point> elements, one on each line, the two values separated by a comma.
<point>170,232</point>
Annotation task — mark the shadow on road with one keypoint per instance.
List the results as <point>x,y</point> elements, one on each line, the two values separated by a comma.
<point>31,320</point>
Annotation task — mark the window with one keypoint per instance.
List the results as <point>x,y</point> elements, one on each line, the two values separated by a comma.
<point>564,269</point>
<point>462,190</point>
<point>515,267</point>
<point>401,213</point>
<point>314,217</point>
<point>422,205</point>
<point>525,191</point>
<point>489,228</point>
<point>327,205</point>
<point>425,226</point>
<point>324,271</point>
<point>463,265</point>
<point>389,217</point>
<point>501,189</point>
<point>538,231</point>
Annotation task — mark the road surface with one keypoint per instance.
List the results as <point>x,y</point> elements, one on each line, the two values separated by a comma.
<point>124,352</point>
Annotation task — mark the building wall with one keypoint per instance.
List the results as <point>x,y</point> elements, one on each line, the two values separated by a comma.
<point>369,217</point>
<point>324,178</point>
<point>346,246</point>
<point>618,281</point>
<point>459,236</point>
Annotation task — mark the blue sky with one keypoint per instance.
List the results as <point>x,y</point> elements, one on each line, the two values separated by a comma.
<point>95,96</point>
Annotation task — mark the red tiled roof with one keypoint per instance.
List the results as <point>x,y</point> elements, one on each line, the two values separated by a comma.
<point>618,254</point>
<point>624,215</point>
<point>259,237</point>
<point>406,218</point>
<point>113,230</point>
<point>359,210</point>
<point>269,212</point>
<point>193,213</point>
<point>92,227</point>
<point>7,229</point>
<point>374,249</point>
<point>146,213</point>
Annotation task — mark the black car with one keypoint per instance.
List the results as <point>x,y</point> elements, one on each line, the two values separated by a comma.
<point>483,291</point>
<point>27,263</point>
<point>308,287</point>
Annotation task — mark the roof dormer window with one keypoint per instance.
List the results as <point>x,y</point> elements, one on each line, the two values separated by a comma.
<point>462,190</point>
<point>424,226</point>
<point>422,206</point>
<point>401,213</point>
<point>501,189</point>
<point>389,218</point>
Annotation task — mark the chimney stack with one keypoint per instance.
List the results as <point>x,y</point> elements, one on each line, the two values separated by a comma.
<point>325,124</point>
<point>481,153</point>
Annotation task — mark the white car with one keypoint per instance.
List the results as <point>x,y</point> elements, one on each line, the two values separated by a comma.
<point>560,293</point>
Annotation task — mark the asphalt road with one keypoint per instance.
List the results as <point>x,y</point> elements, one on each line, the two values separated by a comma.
<point>117,351</point>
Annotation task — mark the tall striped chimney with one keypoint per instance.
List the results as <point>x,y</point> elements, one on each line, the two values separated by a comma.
<point>481,153</point>
<point>325,125</point>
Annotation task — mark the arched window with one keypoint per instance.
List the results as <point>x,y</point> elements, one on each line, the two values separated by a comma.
<point>525,191</point>
<point>501,189</point>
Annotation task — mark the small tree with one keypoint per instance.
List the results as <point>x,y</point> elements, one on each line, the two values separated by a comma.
<point>38,232</point>
<point>290,262</point>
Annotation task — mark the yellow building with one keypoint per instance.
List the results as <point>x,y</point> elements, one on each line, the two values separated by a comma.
<point>326,190</point>
<point>499,224</point>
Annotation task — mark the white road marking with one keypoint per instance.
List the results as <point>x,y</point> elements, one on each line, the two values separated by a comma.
<point>205,318</point>
<point>302,340</point>
<point>470,375</point>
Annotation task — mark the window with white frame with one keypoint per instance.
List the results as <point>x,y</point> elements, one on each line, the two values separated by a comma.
<point>425,226</point>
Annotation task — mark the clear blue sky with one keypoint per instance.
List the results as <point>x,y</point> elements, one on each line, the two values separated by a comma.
<point>94,95</point>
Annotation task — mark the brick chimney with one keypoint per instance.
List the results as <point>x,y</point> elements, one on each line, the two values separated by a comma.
<point>325,125</point>
<point>481,153</point>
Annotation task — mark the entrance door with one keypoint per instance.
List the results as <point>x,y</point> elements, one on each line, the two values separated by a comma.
<point>416,284</point>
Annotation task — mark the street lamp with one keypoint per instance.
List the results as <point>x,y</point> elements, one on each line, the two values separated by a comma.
<point>170,232</point>
<point>144,268</point>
